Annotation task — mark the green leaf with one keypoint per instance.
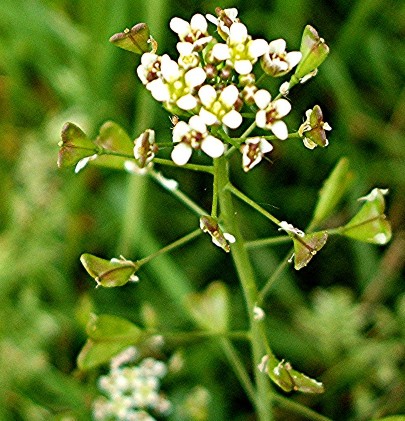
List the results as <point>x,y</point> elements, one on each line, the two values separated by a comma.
<point>114,138</point>
<point>110,273</point>
<point>333,190</point>
<point>314,51</point>
<point>210,309</point>
<point>74,146</point>
<point>392,418</point>
<point>135,39</point>
<point>370,224</point>
<point>112,328</point>
<point>306,247</point>
<point>108,335</point>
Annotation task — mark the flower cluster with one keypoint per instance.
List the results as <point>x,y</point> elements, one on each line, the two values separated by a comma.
<point>131,391</point>
<point>213,80</point>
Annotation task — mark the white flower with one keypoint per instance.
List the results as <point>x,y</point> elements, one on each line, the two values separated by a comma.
<point>149,68</point>
<point>188,58</point>
<point>285,226</point>
<point>253,151</point>
<point>176,85</point>
<point>270,113</point>
<point>240,51</point>
<point>194,135</point>
<point>276,61</point>
<point>194,33</point>
<point>258,313</point>
<point>219,107</point>
<point>224,21</point>
<point>145,148</point>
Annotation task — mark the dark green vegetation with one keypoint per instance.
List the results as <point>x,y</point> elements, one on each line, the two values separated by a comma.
<point>342,319</point>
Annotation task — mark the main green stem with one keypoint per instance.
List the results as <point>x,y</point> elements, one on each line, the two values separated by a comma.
<point>246,276</point>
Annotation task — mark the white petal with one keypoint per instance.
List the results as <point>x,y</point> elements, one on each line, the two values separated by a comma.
<point>187,102</point>
<point>198,23</point>
<point>148,59</point>
<point>197,123</point>
<point>184,48</point>
<point>81,164</point>
<point>308,143</point>
<point>326,126</point>
<point>279,128</point>
<point>229,237</point>
<point>293,58</point>
<point>380,238</point>
<point>284,88</point>
<point>212,146</point>
<point>179,26</point>
<point>243,67</point>
<point>141,71</point>
<point>180,130</point>
<point>202,41</point>
<point>265,146</point>
<point>232,13</point>
<point>261,119</point>
<point>208,118</point>
<point>229,95</point>
<point>195,77</point>
<point>238,33</point>
<point>212,19</point>
<point>282,107</point>
<point>159,90</point>
<point>181,153</point>
<point>262,98</point>
<point>277,46</point>
<point>221,51</point>
<point>258,47</point>
<point>170,69</point>
<point>207,95</point>
<point>233,119</point>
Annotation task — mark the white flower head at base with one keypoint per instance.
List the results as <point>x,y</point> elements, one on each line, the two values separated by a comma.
<point>240,51</point>
<point>219,238</point>
<point>276,61</point>
<point>225,19</point>
<point>194,33</point>
<point>258,313</point>
<point>220,106</point>
<point>194,135</point>
<point>253,151</point>
<point>270,113</point>
<point>285,226</point>
<point>176,85</point>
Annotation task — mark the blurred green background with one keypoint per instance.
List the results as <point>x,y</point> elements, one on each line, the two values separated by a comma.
<point>342,318</point>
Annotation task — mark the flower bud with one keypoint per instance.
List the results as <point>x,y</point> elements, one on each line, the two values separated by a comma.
<point>145,148</point>
<point>219,238</point>
<point>314,51</point>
